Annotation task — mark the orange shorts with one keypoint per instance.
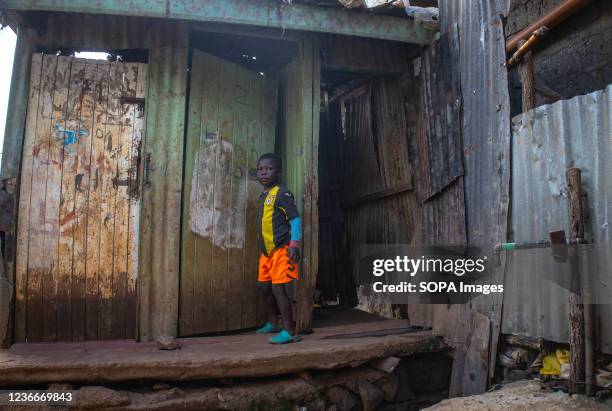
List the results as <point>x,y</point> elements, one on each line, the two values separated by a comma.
<point>276,267</point>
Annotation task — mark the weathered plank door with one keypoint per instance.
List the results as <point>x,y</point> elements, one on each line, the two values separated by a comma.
<point>79,201</point>
<point>231,122</point>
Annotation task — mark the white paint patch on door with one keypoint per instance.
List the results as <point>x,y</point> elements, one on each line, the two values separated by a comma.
<point>212,213</point>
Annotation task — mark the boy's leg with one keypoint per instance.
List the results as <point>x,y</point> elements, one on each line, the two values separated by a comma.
<point>271,308</point>
<point>283,271</point>
<point>264,283</point>
<point>282,300</point>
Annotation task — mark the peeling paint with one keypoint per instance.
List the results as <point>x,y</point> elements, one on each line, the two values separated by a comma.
<point>212,214</point>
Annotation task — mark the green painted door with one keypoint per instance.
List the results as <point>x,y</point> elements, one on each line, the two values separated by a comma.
<point>231,122</point>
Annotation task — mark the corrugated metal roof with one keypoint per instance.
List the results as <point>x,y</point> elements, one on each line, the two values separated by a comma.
<point>547,141</point>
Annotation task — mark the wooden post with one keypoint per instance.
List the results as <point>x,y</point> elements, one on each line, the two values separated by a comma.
<point>589,339</point>
<point>525,71</point>
<point>576,317</point>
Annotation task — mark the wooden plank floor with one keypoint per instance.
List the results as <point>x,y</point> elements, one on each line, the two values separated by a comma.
<point>239,355</point>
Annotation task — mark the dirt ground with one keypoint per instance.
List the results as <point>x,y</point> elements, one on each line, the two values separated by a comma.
<point>522,395</point>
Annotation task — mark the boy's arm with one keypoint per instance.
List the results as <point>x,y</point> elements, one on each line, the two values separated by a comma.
<point>287,201</point>
<point>296,231</point>
<point>296,236</point>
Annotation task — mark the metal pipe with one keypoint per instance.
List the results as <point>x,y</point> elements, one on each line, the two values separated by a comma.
<point>530,245</point>
<point>550,20</point>
<point>526,46</point>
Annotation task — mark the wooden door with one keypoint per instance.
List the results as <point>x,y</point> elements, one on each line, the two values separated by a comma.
<point>231,122</point>
<point>79,201</point>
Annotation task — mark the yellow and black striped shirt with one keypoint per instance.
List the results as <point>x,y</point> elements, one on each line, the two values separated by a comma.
<point>276,209</point>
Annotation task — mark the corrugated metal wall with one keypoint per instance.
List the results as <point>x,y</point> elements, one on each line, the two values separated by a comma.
<point>545,142</point>
<point>486,118</point>
<point>485,136</point>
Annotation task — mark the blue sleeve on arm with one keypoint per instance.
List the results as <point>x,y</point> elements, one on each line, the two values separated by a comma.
<point>296,228</point>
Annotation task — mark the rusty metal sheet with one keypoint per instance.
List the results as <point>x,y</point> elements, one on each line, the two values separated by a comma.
<point>439,143</point>
<point>485,143</point>
<point>361,171</point>
<point>545,142</point>
<point>443,216</point>
<point>375,154</point>
<point>486,118</point>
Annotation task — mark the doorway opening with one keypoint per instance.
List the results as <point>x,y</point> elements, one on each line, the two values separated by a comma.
<point>367,135</point>
<point>233,117</point>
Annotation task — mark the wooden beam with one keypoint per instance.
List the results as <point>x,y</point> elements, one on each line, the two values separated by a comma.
<point>525,342</point>
<point>262,13</point>
<point>209,357</point>
<point>527,81</point>
<point>367,56</point>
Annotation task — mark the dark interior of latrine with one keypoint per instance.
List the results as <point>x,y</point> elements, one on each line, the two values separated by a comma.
<point>367,134</point>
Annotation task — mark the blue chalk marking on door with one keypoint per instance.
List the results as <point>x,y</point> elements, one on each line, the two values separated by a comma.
<point>71,137</point>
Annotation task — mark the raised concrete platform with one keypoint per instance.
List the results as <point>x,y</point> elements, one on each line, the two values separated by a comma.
<point>230,356</point>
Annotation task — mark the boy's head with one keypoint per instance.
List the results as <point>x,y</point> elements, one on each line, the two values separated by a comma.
<point>269,167</point>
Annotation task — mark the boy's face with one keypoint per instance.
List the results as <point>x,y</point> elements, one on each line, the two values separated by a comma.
<point>267,172</point>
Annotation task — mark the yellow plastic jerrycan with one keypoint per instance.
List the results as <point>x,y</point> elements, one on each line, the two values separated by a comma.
<point>551,365</point>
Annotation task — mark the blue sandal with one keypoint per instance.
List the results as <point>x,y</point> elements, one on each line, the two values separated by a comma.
<point>284,337</point>
<point>267,329</point>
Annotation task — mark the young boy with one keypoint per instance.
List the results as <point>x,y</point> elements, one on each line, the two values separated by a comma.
<point>279,232</point>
